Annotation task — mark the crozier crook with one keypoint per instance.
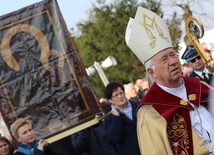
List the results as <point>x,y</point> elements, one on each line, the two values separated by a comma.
<point>42,42</point>
<point>195,33</point>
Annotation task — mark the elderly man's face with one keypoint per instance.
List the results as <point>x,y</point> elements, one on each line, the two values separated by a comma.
<point>131,92</point>
<point>167,68</point>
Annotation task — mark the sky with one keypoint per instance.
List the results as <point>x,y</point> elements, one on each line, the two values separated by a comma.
<point>73,11</point>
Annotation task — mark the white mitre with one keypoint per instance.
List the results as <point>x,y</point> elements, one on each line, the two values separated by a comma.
<point>147,34</point>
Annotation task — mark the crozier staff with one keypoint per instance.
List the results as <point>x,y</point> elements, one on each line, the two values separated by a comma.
<point>170,118</point>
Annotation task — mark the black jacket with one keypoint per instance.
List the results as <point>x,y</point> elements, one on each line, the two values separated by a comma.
<point>92,141</point>
<point>49,150</point>
<point>193,74</point>
<point>122,131</point>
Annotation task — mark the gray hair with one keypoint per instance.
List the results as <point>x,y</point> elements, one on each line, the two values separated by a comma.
<point>128,85</point>
<point>149,65</point>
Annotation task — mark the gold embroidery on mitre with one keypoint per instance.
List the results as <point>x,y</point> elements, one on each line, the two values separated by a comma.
<point>178,135</point>
<point>192,97</point>
<point>150,25</point>
<point>182,102</point>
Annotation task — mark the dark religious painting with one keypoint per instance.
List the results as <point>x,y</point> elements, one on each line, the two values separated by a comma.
<point>41,74</point>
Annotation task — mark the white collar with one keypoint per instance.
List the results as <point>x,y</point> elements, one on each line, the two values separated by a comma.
<point>200,73</point>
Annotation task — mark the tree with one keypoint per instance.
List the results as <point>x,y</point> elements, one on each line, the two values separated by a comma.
<point>174,30</point>
<point>185,9</point>
<point>103,34</point>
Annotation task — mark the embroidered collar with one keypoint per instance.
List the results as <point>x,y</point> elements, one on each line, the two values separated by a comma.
<point>156,95</point>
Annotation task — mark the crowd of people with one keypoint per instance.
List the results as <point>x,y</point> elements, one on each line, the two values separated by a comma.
<point>172,116</point>
<point>135,91</point>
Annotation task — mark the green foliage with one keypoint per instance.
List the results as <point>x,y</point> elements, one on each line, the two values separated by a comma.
<point>103,34</point>
<point>174,30</point>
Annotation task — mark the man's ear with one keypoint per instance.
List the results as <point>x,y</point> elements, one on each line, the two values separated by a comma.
<point>151,72</point>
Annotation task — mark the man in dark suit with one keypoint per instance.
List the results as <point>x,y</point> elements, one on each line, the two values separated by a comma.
<point>199,68</point>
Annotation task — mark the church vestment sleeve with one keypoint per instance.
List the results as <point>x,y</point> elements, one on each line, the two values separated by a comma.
<point>151,131</point>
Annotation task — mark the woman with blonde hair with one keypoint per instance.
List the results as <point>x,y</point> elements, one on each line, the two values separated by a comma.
<point>28,145</point>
